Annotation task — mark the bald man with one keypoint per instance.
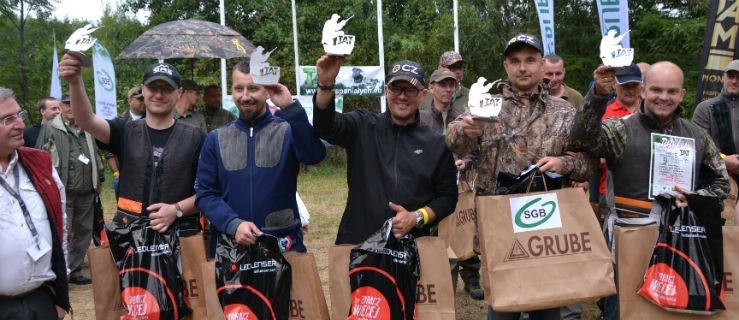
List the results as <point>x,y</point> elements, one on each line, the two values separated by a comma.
<point>626,145</point>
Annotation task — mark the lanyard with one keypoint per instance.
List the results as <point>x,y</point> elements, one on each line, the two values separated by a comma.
<point>14,192</point>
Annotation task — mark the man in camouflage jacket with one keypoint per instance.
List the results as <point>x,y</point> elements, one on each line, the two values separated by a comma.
<point>532,128</point>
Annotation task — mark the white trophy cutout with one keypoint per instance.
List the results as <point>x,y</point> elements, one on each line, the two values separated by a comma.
<point>81,40</point>
<point>482,104</point>
<point>335,42</point>
<point>261,71</point>
<point>613,53</point>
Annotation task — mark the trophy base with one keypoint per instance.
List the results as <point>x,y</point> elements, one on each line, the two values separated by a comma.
<point>265,75</point>
<point>485,119</point>
<point>86,61</point>
<point>340,46</point>
<point>619,58</point>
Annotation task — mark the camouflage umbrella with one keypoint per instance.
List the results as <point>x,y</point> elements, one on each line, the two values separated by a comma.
<point>188,39</point>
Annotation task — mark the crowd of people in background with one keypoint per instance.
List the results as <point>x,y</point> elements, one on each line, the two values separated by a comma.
<point>240,171</point>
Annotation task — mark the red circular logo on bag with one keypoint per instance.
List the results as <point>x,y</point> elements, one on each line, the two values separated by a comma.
<point>141,303</point>
<point>238,312</point>
<point>368,303</point>
<point>666,286</point>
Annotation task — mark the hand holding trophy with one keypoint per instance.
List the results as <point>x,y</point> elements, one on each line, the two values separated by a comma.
<point>335,42</point>
<point>81,40</point>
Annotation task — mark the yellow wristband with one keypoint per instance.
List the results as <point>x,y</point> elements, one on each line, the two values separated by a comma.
<point>425,216</point>
<point>116,174</point>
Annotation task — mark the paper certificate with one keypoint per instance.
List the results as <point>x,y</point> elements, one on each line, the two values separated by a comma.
<point>672,164</point>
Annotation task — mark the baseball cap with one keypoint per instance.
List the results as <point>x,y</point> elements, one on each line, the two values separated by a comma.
<point>632,73</point>
<point>134,92</point>
<point>734,65</point>
<point>441,74</point>
<point>407,70</point>
<point>520,40</point>
<point>449,58</point>
<point>190,85</point>
<point>65,98</point>
<point>162,71</point>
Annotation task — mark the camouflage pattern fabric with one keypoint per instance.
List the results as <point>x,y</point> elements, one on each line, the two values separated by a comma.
<point>188,39</point>
<point>529,127</point>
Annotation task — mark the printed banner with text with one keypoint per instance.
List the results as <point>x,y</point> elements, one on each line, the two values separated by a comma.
<point>719,47</point>
<point>545,9</point>
<point>105,101</point>
<point>614,15</point>
<point>351,81</point>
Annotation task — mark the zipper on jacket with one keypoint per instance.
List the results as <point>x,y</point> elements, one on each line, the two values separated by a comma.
<point>251,132</point>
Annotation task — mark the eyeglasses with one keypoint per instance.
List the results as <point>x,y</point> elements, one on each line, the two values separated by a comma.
<point>163,89</point>
<point>13,117</point>
<point>409,92</point>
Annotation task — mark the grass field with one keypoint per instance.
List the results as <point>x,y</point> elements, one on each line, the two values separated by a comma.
<point>324,191</point>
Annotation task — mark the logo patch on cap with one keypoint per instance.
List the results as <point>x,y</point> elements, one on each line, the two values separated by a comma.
<point>396,68</point>
<point>162,68</point>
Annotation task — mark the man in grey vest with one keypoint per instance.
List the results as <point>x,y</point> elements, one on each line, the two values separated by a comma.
<point>719,116</point>
<point>77,159</point>
<point>626,144</point>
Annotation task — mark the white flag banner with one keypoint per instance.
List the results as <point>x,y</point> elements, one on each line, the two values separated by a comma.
<point>614,15</point>
<point>105,99</point>
<point>56,86</point>
<point>545,9</point>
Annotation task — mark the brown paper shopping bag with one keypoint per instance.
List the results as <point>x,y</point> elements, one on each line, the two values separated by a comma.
<point>306,295</point>
<point>106,291</point>
<point>192,254</point>
<point>634,248</point>
<point>542,250</point>
<point>459,228</point>
<point>212,305</point>
<point>435,296</point>
<point>338,280</point>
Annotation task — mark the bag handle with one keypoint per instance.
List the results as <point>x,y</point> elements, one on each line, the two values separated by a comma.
<point>543,179</point>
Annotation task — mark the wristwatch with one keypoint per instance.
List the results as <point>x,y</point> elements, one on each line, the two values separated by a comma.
<point>326,87</point>
<point>419,219</point>
<point>180,213</point>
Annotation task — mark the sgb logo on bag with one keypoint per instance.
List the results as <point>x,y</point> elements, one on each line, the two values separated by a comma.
<point>537,212</point>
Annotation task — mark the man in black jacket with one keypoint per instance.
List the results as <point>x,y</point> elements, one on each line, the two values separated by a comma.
<point>397,168</point>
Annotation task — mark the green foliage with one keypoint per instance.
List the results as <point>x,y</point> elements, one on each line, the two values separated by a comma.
<point>419,30</point>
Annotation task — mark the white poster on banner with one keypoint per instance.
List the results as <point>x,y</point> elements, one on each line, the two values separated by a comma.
<point>105,98</point>
<point>351,81</point>
<point>545,9</point>
<point>614,15</point>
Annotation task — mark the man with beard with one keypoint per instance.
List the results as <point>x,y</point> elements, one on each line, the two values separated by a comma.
<point>397,169</point>
<point>532,128</point>
<point>247,176</point>
<point>215,115</point>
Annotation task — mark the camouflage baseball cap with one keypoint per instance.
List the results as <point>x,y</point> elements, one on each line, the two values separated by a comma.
<point>134,92</point>
<point>441,74</point>
<point>449,58</point>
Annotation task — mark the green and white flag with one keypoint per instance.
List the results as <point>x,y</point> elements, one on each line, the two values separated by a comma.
<point>105,97</point>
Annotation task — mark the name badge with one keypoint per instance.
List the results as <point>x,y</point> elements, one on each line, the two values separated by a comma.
<point>83,159</point>
<point>38,249</point>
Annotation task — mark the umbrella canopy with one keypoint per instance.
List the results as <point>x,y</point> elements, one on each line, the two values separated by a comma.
<point>188,39</point>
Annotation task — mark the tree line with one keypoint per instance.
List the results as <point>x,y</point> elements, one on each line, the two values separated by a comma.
<point>419,30</point>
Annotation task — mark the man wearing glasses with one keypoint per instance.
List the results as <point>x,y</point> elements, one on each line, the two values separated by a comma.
<point>157,173</point>
<point>33,281</point>
<point>453,61</point>
<point>398,168</point>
